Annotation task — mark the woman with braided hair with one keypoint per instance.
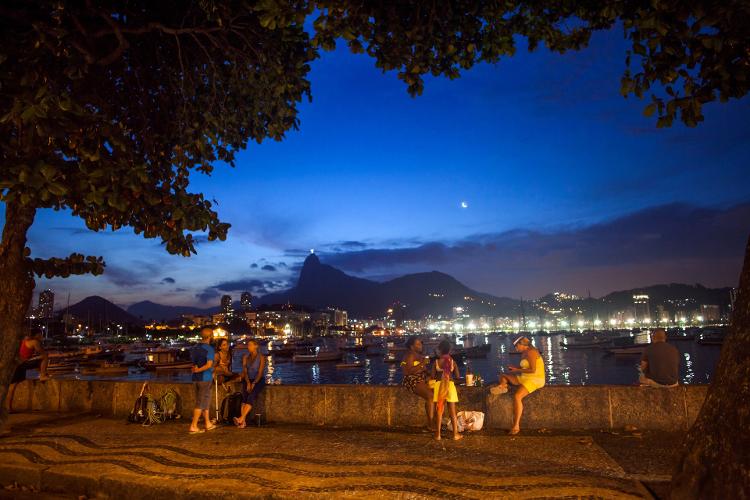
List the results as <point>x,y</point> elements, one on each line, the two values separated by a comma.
<point>445,390</point>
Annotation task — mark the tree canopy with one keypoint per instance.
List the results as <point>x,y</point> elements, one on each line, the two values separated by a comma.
<point>108,107</point>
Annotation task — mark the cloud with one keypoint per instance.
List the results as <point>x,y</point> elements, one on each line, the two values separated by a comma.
<point>169,280</point>
<point>669,243</point>
<point>207,295</point>
<point>268,267</point>
<point>253,265</point>
<point>132,276</point>
<point>256,286</point>
<point>241,284</point>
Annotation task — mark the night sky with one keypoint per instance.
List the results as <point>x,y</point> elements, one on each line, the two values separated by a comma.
<point>567,186</point>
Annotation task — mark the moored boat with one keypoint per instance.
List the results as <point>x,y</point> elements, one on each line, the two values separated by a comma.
<point>318,356</point>
<point>105,369</point>
<point>629,349</point>
<point>353,364</point>
<point>165,359</point>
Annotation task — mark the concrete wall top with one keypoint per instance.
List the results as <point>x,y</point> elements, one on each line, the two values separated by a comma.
<point>552,407</point>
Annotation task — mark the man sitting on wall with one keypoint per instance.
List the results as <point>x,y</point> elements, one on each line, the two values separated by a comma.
<point>660,362</point>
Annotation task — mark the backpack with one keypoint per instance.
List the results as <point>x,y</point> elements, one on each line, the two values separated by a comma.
<point>141,410</point>
<point>171,405</point>
<point>231,406</point>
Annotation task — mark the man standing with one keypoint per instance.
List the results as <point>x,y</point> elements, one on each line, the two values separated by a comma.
<point>202,356</point>
<point>660,362</point>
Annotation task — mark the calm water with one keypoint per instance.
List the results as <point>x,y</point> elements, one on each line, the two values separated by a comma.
<point>563,366</point>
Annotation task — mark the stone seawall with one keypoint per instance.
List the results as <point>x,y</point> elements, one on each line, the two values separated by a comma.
<point>553,407</point>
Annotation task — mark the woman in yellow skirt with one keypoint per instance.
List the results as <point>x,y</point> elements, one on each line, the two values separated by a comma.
<point>528,377</point>
<point>444,390</point>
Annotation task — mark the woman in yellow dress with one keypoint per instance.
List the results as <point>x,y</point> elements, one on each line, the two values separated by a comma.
<point>444,390</point>
<point>528,377</point>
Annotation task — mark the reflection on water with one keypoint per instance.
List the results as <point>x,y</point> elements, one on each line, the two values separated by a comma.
<point>391,374</point>
<point>562,366</point>
<point>689,375</point>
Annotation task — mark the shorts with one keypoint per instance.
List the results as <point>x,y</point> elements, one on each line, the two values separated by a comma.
<point>19,375</point>
<point>249,397</point>
<point>452,396</point>
<point>202,395</point>
<point>531,383</point>
<point>412,381</point>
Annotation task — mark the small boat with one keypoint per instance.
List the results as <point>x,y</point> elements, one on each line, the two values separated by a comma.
<point>677,336</point>
<point>283,352</point>
<point>165,359</point>
<point>353,364</point>
<point>318,356</point>
<point>105,369</point>
<point>355,347</point>
<point>711,336</point>
<point>630,349</point>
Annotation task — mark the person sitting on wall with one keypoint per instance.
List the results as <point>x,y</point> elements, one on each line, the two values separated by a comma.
<point>253,380</point>
<point>32,355</point>
<point>414,368</point>
<point>528,377</point>
<point>223,365</point>
<point>660,362</point>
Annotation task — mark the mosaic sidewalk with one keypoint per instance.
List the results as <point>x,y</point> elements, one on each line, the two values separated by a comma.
<point>83,454</point>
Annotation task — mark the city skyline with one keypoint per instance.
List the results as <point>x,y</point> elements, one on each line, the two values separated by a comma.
<point>518,179</point>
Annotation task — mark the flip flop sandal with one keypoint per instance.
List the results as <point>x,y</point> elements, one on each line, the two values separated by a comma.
<point>199,431</point>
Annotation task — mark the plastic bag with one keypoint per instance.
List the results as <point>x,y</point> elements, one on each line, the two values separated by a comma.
<point>468,421</point>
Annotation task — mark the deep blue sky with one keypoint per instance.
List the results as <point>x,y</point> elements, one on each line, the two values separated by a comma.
<point>568,186</point>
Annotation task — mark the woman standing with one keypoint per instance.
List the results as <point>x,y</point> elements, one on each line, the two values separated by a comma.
<point>253,380</point>
<point>529,377</point>
<point>414,368</point>
<point>445,389</point>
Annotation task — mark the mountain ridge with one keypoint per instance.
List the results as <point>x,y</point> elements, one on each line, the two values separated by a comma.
<point>433,292</point>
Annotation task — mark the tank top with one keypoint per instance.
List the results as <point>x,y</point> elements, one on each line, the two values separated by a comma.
<point>25,352</point>
<point>253,367</point>
<point>538,374</point>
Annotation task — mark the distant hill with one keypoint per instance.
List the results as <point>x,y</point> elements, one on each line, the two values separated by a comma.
<point>147,311</point>
<point>98,310</point>
<point>321,285</point>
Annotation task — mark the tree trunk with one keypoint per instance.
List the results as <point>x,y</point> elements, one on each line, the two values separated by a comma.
<point>716,458</point>
<point>16,288</point>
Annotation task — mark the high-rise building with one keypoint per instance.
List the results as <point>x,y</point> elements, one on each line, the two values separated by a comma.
<point>710,313</point>
<point>641,306</point>
<point>226,305</point>
<point>246,301</point>
<point>46,303</point>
